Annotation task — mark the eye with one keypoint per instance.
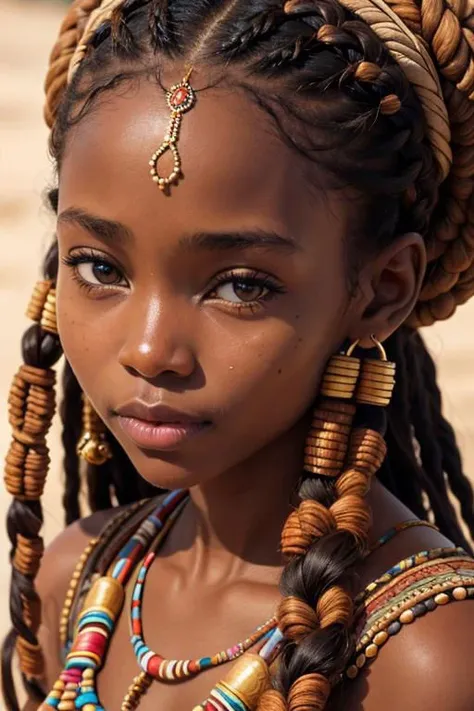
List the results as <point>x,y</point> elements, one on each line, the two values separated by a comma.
<point>99,272</point>
<point>241,290</point>
<point>94,271</point>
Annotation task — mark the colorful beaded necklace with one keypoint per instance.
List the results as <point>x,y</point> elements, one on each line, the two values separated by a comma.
<point>76,686</point>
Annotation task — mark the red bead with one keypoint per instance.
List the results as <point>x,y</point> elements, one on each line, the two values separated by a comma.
<point>154,665</point>
<point>179,96</point>
<point>90,642</point>
<point>193,667</point>
<point>136,626</point>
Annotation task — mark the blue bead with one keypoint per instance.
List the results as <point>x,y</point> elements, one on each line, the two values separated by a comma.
<point>205,663</point>
<point>394,628</point>
<point>88,698</point>
<point>52,702</point>
<point>420,609</point>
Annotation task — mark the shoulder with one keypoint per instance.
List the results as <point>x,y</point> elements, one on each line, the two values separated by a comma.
<point>428,665</point>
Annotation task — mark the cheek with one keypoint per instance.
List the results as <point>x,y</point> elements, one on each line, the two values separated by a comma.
<point>83,337</point>
<point>271,377</point>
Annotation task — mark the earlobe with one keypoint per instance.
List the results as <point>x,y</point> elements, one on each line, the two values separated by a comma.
<point>393,278</point>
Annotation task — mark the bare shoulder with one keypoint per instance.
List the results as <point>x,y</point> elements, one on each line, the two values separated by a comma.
<point>57,567</point>
<point>429,664</point>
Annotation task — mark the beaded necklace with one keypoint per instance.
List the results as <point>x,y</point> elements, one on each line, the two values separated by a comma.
<point>76,686</point>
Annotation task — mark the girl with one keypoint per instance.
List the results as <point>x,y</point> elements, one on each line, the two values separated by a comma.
<point>258,205</point>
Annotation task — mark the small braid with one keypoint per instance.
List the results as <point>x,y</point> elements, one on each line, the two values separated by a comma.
<point>71,431</point>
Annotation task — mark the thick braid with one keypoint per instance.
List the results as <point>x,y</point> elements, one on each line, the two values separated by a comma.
<point>31,409</point>
<point>69,35</point>
<point>323,539</point>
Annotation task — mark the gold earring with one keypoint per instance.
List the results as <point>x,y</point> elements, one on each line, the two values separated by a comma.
<point>376,380</point>
<point>93,446</point>
<point>341,375</point>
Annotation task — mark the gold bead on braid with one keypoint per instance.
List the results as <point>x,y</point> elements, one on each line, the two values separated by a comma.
<point>38,299</point>
<point>327,441</point>
<point>31,409</point>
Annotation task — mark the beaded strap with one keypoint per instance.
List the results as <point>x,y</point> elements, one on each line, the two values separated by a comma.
<point>409,593</point>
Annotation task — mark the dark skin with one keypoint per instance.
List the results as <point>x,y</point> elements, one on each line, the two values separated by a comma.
<point>162,329</point>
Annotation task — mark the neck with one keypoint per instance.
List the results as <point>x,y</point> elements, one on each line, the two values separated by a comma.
<point>241,513</point>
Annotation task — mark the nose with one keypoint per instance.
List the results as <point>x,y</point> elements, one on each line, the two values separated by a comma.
<point>157,341</point>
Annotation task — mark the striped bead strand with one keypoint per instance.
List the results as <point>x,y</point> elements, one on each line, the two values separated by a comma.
<point>176,670</point>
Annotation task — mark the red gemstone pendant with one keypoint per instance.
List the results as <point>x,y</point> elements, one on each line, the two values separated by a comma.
<point>181,97</point>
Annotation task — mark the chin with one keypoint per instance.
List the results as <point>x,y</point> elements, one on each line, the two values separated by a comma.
<point>165,471</point>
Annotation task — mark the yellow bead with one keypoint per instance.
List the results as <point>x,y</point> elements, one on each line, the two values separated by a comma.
<point>59,685</point>
<point>371,651</point>
<point>69,696</point>
<point>89,707</point>
<point>380,638</point>
<point>441,599</point>
<point>407,617</point>
<point>66,706</point>
<point>459,593</point>
<point>88,674</point>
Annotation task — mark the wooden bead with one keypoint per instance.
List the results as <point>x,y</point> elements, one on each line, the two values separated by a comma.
<point>441,599</point>
<point>459,593</point>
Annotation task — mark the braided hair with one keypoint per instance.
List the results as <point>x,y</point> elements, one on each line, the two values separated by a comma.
<point>327,72</point>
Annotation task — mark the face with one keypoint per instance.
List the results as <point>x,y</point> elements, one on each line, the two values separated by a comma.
<point>198,323</point>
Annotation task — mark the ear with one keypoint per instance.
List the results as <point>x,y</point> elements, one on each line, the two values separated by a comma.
<point>388,288</point>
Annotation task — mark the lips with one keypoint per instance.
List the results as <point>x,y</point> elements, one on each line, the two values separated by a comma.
<point>158,427</point>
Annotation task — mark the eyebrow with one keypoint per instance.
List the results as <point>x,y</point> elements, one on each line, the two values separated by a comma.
<point>109,231</point>
<point>238,241</point>
<point>112,231</point>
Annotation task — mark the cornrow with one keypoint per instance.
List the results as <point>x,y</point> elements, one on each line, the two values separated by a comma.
<point>329,68</point>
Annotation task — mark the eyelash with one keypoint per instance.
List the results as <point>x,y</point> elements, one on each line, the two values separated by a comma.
<point>249,277</point>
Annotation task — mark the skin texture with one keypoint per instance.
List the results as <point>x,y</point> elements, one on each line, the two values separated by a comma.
<point>166,333</point>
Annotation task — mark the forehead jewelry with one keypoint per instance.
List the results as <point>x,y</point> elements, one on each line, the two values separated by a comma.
<point>180,99</point>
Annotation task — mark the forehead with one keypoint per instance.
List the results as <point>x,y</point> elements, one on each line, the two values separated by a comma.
<point>235,165</point>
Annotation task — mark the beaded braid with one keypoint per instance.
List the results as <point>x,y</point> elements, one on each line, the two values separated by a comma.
<point>31,408</point>
<point>323,542</point>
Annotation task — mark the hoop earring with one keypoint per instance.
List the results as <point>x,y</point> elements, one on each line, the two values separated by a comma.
<point>93,446</point>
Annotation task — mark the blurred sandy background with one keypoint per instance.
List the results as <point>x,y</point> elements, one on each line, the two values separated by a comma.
<point>27,32</point>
